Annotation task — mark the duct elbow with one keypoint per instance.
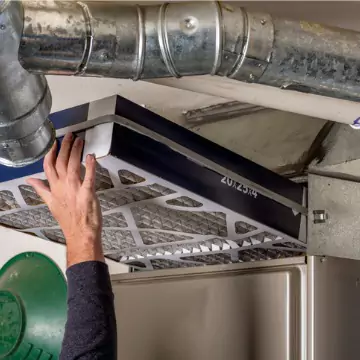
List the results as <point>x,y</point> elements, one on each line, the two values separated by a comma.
<point>26,134</point>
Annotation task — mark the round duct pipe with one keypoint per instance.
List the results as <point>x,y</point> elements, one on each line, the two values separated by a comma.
<point>196,38</point>
<point>25,100</point>
<point>169,40</point>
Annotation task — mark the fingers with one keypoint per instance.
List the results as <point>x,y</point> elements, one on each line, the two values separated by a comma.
<point>41,188</point>
<point>89,179</point>
<point>73,169</point>
<point>67,163</point>
<point>64,155</point>
<point>49,164</point>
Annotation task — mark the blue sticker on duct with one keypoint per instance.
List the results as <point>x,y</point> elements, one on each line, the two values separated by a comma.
<point>356,124</point>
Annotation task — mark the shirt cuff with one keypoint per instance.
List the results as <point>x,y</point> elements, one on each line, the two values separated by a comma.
<point>88,277</point>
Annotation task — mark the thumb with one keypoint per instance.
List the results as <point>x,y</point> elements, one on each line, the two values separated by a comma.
<point>41,188</point>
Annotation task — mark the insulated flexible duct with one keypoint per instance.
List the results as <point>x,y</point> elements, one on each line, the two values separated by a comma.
<point>182,39</point>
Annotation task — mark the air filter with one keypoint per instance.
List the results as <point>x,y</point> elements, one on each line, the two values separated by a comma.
<point>32,308</point>
<point>166,202</point>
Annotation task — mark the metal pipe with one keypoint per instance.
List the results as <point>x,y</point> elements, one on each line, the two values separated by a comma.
<point>107,39</point>
<point>182,39</point>
<point>25,100</point>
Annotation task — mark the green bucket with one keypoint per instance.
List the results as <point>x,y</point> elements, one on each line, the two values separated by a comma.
<point>32,308</point>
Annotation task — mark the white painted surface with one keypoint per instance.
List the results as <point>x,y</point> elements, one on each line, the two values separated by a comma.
<point>69,91</point>
<point>322,107</point>
<point>13,242</point>
<point>166,94</point>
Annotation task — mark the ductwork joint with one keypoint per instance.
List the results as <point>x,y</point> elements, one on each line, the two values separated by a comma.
<point>218,40</point>
<point>164,42</point>
<point>141,44</point>
<point>89,38</point>
<point>257,49</point>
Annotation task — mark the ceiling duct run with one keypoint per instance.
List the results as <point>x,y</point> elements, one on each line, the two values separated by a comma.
<point>138,42</point>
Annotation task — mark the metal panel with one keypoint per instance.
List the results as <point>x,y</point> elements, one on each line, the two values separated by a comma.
<point>247,311</point>
<point>334,308</point>
<point>337,234</point>
<point>334,195</point>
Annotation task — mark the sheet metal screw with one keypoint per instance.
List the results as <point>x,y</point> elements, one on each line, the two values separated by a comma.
<point>323,259</point>
<point>252,77</point>
<point>320,216</point>
<point>104,56</point>
<point>189,23</point>
<point>2,27</point>
<point>263,22</point>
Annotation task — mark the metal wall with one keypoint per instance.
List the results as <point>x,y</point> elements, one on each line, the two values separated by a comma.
<point>333,308</point>
<point>299,308</point>
<point>247,312</point>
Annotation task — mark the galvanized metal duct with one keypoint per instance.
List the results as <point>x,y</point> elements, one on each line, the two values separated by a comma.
<point>182,39</point>
<point>25,100</point>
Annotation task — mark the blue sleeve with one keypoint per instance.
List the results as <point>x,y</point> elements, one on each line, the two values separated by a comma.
<point>90,331</point>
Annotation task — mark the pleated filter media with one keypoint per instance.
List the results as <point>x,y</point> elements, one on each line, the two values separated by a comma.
<point>149,221</point>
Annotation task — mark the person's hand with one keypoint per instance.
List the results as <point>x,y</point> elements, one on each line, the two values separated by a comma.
<point>73,202</point>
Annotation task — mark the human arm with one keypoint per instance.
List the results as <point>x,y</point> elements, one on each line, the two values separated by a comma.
<point>90,331</point>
